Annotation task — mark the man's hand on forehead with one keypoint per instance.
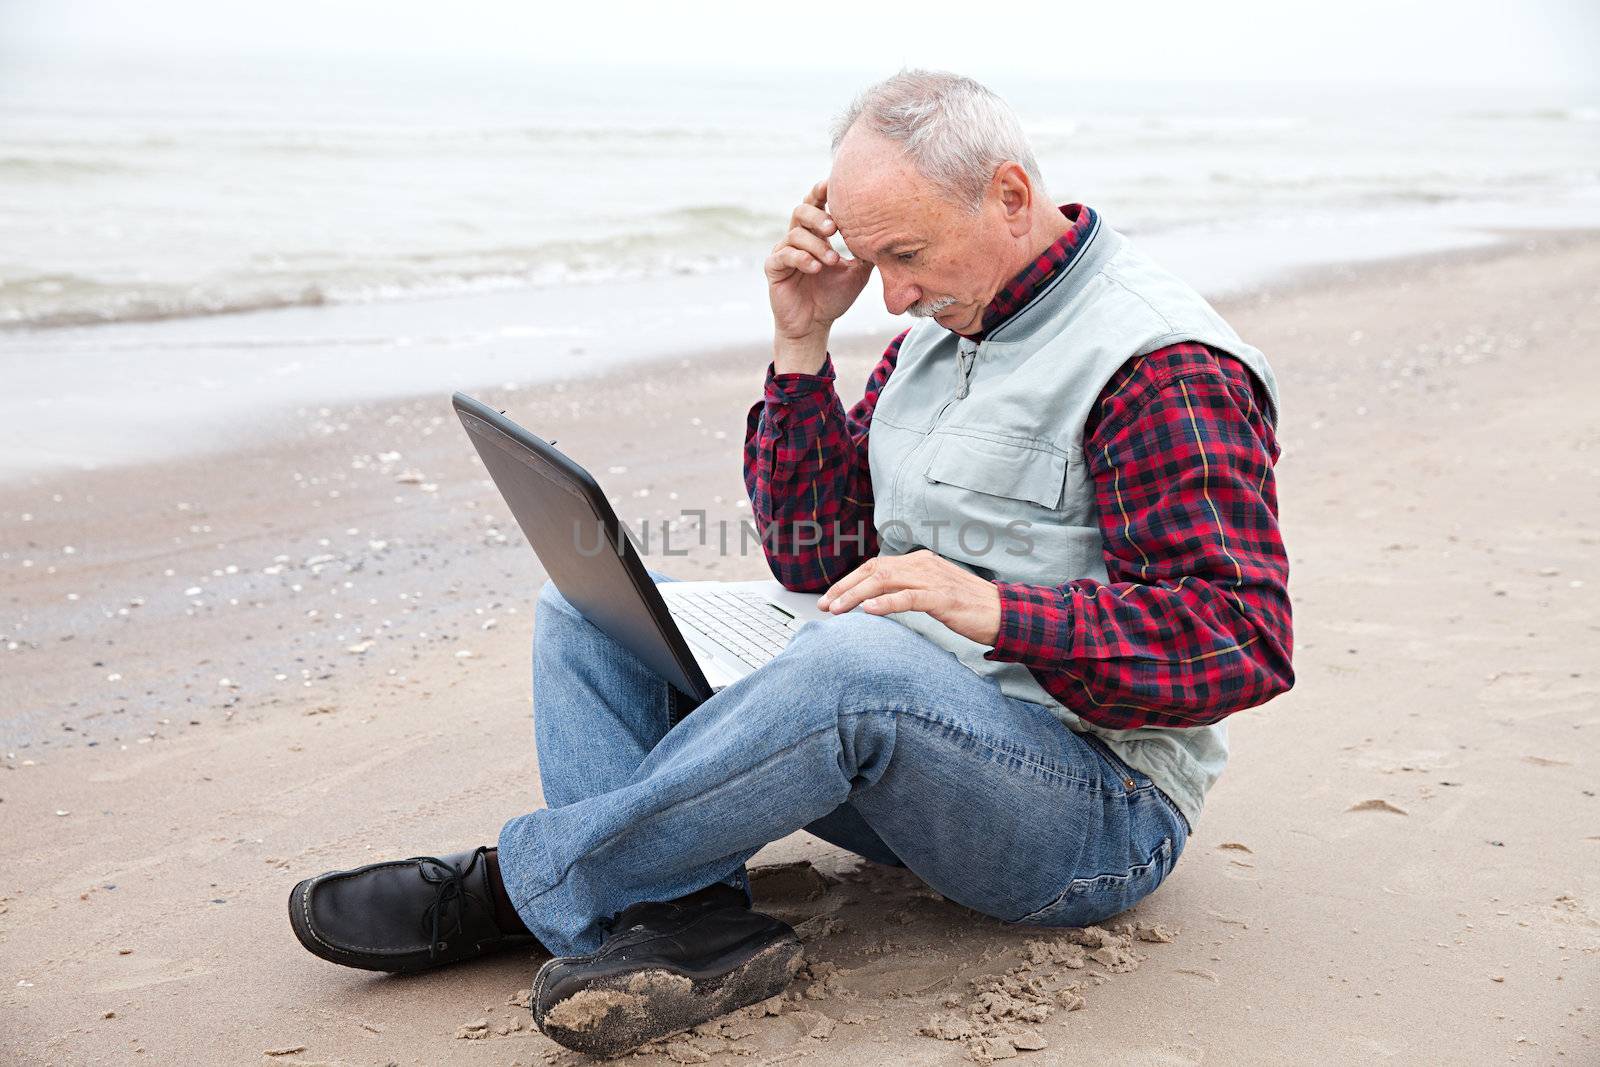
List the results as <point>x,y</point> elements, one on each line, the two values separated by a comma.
<point>809,282</point>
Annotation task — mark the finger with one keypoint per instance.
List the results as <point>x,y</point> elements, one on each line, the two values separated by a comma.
<point>847,599</point>
<point>776,267</point>
<point>873,585</point>
<point>837,588</point>
<point>814,219</point>
<point>787,260</point>
<point>914,599</point>
<point>800,237</point>
<point>799,259</point>
<point>818,196</point>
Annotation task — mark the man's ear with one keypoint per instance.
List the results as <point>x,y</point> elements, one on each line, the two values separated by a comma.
<point>1011,187</point>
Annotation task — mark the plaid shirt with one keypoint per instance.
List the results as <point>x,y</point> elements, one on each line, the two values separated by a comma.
<point>1194,621</point>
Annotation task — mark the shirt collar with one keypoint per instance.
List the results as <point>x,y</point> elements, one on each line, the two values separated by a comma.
<point>1015,294</point>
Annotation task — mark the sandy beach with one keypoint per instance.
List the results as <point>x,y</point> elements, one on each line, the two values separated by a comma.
<point>223,673</point>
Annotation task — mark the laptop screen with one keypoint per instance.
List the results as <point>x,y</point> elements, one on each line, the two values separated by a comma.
<point>584,549</point>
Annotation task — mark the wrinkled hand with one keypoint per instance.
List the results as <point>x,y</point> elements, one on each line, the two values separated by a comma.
<point>920,581</point>
<point>808,283</point>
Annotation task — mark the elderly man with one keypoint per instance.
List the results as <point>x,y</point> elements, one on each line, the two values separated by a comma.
<point>1054,508</point>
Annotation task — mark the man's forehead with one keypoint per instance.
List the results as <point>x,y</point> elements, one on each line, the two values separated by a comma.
<point>877,219</point>
<point>874,194</point>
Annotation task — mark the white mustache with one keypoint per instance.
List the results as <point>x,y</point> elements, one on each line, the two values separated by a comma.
<point>930,308</point>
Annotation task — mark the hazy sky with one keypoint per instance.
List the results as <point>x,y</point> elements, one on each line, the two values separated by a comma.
<point>1533,42</point>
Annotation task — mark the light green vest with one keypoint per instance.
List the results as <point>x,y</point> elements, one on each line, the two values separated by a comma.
<point>976,452</point>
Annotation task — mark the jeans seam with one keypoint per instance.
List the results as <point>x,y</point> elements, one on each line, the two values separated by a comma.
<point>1172,806</point>
<point>600,847</point>
<point>1117,761</point>
<point>1162,851</point>
<point>997,747</point>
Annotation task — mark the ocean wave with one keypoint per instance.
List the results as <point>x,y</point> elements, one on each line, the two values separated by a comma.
<point>279,341</point>
<point>57,301</point>
<point>726,219</point>
<point>63,300</point>
<point>687,239</point>
<point>57,168</point>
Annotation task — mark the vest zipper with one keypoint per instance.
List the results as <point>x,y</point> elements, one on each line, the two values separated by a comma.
<point>966,357</point>
<point>967,351</point>
<point>966,360</point>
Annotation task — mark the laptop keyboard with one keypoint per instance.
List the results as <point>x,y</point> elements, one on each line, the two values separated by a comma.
<point>745,624</point>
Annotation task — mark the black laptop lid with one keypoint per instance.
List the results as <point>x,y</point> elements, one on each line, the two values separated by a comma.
<point>584,549</point>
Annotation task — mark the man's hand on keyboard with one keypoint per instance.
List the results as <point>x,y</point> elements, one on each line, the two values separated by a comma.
<point>920,581</point>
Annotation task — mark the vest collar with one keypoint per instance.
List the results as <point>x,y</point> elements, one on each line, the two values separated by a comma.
<point>1098,246</point>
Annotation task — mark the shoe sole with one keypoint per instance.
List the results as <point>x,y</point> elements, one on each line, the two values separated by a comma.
<point>620,1012</point>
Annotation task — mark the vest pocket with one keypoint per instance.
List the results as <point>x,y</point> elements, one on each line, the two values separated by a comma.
<point>1000,469</point>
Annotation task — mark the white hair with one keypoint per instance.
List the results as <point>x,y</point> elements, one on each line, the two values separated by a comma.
<point>955,131</point>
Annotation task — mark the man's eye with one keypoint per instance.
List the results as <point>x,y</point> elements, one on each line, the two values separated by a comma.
<point>905,257</point>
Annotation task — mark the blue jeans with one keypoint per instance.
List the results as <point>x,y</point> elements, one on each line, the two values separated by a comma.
<point>861,732</point>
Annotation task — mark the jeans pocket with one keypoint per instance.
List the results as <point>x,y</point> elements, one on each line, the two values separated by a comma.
<point>1086,901</point>
<point>1137,781</point>
<point>1123,772</point>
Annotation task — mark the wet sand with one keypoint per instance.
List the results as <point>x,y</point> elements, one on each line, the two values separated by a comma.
<point>221,674</point>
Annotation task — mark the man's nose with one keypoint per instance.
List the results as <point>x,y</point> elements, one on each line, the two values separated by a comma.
<point>899,295</point>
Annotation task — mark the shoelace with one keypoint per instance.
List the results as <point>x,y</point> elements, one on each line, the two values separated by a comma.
<point>451,895</point>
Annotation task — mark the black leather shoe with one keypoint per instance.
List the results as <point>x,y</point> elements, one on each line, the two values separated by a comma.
<point>664,968</point>
<point>402,915</point>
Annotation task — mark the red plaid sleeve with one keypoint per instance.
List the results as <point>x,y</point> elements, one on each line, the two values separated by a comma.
<point>1194,622</point>
<point>805,469</point>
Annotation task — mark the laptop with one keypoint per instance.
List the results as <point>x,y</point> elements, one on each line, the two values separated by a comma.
<point>697,636</point>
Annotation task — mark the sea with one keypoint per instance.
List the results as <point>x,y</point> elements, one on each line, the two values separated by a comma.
<point>208,243</point>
